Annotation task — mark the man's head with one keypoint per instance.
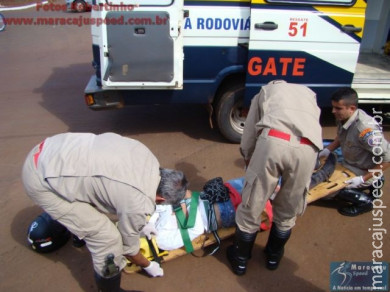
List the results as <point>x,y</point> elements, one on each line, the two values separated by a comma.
<point>173,186</point>
<point>344,103</point>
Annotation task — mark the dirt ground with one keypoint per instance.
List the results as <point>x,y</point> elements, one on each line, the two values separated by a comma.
<point>44,70</point>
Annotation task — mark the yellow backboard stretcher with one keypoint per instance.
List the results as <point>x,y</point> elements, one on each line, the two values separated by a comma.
<point>335,183</point>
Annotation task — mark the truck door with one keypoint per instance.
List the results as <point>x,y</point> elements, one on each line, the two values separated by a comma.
<point>315,43</point>
<point>143,46</point>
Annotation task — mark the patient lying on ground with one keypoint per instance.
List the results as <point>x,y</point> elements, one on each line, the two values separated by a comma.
<point>169,235</point>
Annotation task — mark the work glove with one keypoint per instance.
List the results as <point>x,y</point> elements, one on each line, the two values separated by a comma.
<point>355,182</point>
<point>149,230</point>
<point>154,269</point>
<point>324,153</point>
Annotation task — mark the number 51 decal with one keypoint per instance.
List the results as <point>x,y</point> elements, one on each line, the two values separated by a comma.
<point>297,28</point>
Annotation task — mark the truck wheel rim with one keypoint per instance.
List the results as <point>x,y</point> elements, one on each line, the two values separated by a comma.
<point>237,121</point>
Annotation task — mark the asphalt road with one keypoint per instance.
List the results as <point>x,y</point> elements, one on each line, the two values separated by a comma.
<point>44,70</point>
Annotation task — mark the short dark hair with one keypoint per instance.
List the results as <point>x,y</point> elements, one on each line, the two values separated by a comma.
<point>346,94</point>
<point>173,185</point>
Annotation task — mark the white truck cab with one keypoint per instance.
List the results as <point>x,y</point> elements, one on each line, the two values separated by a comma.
<point>220,52</point>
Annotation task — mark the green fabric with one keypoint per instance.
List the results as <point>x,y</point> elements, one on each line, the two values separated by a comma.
<point>185,223</point>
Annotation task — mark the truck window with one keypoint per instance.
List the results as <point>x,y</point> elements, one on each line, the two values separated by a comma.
<point>316,2</point>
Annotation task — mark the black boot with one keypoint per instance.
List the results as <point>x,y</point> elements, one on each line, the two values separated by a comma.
<point>274,249</point>
<point>360,202</point>
<point>111,284</point>
<point>77,242</point>
<point>240,252</point>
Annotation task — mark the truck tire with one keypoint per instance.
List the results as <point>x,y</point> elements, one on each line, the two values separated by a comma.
<point>229,117</point>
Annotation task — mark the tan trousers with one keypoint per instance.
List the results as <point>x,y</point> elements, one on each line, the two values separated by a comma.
<point>99,232</point>
<point>275,158</point>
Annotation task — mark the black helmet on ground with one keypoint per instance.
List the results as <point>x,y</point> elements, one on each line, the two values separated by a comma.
<point>46,235</point>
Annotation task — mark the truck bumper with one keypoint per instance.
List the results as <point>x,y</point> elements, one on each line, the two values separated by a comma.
<point>97,98</point>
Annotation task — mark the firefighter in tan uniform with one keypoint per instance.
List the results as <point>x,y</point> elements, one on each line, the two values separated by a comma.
<point>281,139</point>
<point>76,177</point>
<point>365,150</point>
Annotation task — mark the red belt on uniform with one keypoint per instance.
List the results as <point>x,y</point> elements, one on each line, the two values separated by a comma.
<point>36,155</point>
<point>286,136</point>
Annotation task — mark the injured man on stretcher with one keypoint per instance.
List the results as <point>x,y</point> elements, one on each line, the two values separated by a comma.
<point>168,228</point>
<point>177,230</point>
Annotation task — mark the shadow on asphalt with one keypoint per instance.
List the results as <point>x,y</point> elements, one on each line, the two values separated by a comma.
<point>259,278</point>
<point>63,96</point>
<point>77,260</point>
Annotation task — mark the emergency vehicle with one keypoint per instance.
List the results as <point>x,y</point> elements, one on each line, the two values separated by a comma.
<point>220,52</point>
